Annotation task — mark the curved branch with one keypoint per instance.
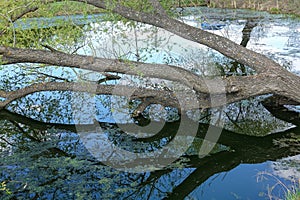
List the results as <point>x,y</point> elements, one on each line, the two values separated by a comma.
<point>163,97</point>
<point>271,79</point>
<point>198,83</point>
<point>15,55</point>
<point>260,63</point>
<point>237,88</point>
<point>221,44</point>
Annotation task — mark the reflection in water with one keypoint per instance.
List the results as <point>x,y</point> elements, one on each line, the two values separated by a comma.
<point>288,168</point>
<point>43,156</point>
<point>47,160</point>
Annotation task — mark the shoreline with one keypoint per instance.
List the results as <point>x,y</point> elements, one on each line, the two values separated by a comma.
<point>269,6</point>
<point>273,7</point>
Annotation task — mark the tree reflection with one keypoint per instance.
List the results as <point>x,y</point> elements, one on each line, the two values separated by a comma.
<point>44,158</point>
<point>47,160</point>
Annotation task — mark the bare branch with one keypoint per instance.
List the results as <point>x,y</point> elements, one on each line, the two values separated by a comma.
<point>24,12</point>
<point>145,103</point>
<point>229,85</point>
<point>233,86</point>
<point>163,97</point>
<point>257,61</point>
<point>15,55</point>
<point>49,47</point>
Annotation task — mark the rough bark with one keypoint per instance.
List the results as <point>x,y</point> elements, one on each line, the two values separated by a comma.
<point>237,88</point>
<point>270,77</point>
<point>289,83</point>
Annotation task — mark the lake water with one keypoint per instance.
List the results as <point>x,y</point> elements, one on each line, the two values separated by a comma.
<point>45,156</point>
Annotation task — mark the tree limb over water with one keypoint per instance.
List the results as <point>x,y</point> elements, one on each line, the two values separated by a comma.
<point>270,77</point>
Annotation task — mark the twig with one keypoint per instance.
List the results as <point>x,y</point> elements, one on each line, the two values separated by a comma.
<point>50,48</point>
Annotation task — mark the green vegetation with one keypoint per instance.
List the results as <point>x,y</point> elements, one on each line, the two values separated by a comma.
<point>55,162</point>
<point>274,10</point>
<point>292,192</point>
<point>189,2</point>
<point>4,188</point>
<point>57,8</point>
<point>66,7</point>
<point>293,195</point>
<point>71,7</point>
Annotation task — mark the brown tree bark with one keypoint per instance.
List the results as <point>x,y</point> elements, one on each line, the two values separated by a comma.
<point>270,77</point>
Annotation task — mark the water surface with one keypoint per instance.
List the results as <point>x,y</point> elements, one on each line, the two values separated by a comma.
<point>44,156</point>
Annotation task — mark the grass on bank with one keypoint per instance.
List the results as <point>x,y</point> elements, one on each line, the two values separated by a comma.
<point>271,6</point>
<point>291,192</point>
<point>71,7</point>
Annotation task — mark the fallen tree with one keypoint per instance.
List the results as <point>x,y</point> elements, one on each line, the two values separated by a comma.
<point>269,77</point>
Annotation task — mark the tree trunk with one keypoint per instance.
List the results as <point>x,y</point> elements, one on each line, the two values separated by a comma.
<point>270,77</point>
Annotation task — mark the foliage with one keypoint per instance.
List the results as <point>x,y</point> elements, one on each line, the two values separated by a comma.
<point>47,163</point>
<point>36,32</point>
<point>295,195</point>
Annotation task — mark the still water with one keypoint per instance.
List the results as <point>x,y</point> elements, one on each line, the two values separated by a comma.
<point>113,156</point>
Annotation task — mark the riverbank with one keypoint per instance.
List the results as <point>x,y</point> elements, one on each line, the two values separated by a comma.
<point>271,6</point>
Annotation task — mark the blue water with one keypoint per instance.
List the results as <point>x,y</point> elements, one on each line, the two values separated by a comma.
<point>46,22</point>
<point>242,182</point>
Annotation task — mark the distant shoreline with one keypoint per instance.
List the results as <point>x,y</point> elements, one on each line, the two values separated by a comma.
<point>271,6</point>
<point>289,7</point>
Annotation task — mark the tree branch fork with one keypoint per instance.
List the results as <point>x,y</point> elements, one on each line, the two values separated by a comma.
<point>270,77</point>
